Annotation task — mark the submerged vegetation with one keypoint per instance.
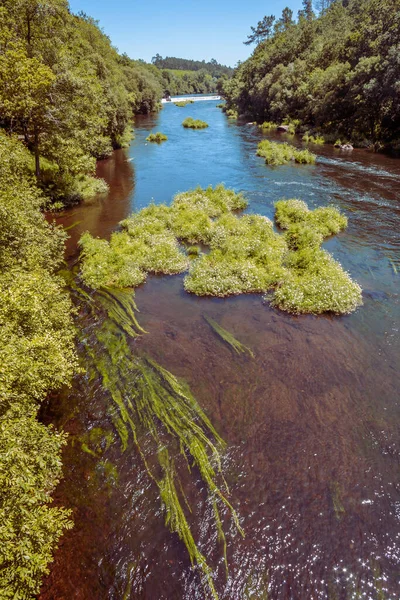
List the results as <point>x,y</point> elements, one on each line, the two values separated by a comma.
<point>194,123</point>
<point>246,254</point>
<point>157,137</point>
<point>228,338</point>
<point>148,398</point>
<point>280,154</point>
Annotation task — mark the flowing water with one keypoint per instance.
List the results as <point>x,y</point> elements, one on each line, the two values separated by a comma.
<point>311,422</point>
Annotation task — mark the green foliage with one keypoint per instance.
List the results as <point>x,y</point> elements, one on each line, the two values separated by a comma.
<point>268,125</point>
<point>231,113</point>
<point>336,73</point>
<point>65,89</point>
<point>36,357</point>
<point>220,105</point>
<point>146,396</point>
<point>183,103</point>
<point>194,123</point>
<point>157,137</point>
<point>318,140</point>
<point>227,337</point>
<point>246,254</point>
<point>316,284</point>
<point>280,154</point>
<point>214,68</point>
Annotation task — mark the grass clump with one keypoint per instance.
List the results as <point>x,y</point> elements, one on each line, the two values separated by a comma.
<point>318,140</point>
<point>182,103</point>
<point>280,154</point>
<point>325,221</point>
<point>157,137</point>
<point>227,337</point>
<point>191,123</point>
<point>268,125</point>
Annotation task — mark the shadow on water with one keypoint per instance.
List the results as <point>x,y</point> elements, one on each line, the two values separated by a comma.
<point>311,422</point>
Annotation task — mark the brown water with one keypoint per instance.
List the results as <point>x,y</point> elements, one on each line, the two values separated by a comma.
<point>311,423</point>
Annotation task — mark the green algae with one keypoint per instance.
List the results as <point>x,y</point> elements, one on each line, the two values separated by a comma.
<point>147,398</point>
<point>228,338</point>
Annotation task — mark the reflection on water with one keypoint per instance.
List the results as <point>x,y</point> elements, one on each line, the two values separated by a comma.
<point>312,422</point>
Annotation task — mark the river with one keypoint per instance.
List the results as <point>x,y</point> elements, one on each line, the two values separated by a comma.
<point>312,423</point>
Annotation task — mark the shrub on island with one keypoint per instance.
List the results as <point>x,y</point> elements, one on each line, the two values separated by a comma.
<point>182,103</point>
<point>281,154</point>
<point>157,137</point>
<point>191,123</point>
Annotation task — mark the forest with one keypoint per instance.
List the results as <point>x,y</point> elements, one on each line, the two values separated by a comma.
<point>337,72</point>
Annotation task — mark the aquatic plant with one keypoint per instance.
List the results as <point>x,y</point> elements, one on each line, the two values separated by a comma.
<point>193,251</point>
<point>315,284</point>
<point>268,125</point>
<point>231,113</point>
<point>279,154</point>
<point>182,103</point>
<point>310,139</point>
<point>191,123</point>
<point>148,398</point>
<point>156,137</point>
<point>246,254</point>
<point>227,337</point>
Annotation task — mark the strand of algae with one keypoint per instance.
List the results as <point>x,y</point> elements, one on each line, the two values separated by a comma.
<point>148,397</point>
<point>227,337</point>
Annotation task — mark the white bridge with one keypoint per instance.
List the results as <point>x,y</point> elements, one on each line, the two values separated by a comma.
<point>192,98</point>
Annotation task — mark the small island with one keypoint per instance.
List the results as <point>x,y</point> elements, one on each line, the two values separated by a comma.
<point>157,137</point>
<point>191,123</point>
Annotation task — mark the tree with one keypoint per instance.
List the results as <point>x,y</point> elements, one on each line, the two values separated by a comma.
<point>262,32</point>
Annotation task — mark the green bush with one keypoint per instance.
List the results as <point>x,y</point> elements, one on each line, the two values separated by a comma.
<point>37,356</point>
<point>220,105</point>
<point>280,154</point>
<point>310,139</point>
<point>182,103</point>
<point>268,125</point>
<point>231,113</point>
<point>190,123</point>
<point>157,137</point>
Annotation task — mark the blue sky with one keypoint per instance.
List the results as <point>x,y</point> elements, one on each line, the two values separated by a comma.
<point>182,28</point>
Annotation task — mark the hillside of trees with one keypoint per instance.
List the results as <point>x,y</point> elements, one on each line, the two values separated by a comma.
<point>338,72</point>
<point>214,68</point>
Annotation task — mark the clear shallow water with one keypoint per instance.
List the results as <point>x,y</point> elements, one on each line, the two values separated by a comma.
<point>312,423</point>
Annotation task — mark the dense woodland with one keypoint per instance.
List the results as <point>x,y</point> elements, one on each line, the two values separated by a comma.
<point>338,73</point>
<point>213,67</point>
<point>67,93</point>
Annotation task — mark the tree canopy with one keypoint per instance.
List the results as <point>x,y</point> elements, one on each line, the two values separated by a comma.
<point>338,72</point>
